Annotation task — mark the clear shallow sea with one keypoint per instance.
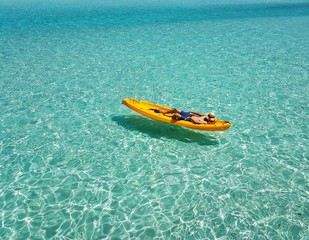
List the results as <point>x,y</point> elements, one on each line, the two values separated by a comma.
<point>76,164</point>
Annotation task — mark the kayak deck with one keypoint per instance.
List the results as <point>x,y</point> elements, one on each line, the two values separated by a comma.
<point>148,109</point>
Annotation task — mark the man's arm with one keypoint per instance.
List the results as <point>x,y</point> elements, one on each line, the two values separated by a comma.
<point>196,113</point>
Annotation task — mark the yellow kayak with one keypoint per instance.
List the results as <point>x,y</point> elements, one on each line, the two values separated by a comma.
<point>148,109</point>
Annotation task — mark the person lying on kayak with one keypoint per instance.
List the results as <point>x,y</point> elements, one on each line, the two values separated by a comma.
<point>190,116</point>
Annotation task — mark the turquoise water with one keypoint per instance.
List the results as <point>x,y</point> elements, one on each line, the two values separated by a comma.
<point>76,164</point>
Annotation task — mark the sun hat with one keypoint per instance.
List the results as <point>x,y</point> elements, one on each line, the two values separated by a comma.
<point>212,119</point>
<point>211,115</point>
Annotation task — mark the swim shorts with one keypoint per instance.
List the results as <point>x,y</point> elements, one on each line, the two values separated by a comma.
<point>184,115</point>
